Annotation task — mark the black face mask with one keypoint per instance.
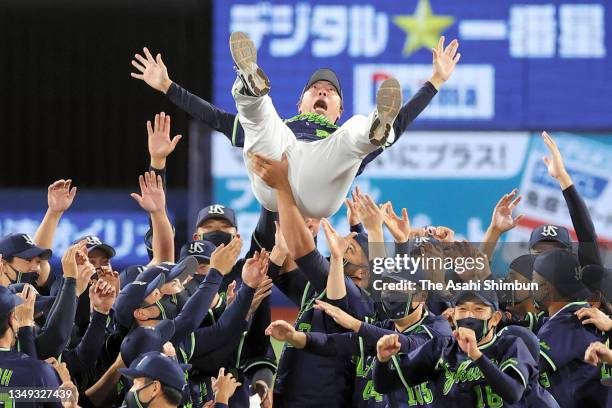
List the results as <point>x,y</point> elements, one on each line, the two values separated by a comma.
<point>218,237</point>
<point>539,296</point>
<point>132,399</point>
<point>509,299</point>
<point>397,310</point>
<point>480,326</point>
<point>20,277</point>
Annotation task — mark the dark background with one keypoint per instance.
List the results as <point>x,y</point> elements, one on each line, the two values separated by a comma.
<point>71,109</point>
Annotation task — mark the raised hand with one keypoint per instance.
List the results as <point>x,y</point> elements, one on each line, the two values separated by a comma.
<point>24,313</point>
<point>597,353</point>
<point>168,349</point>
<point>152,71</point>
<point>281,330</point>
<point>60,196</point>
<point>466,338</point>
<point>102,296</point>
<point>264,289</point>
<point>281,249</point>
<point>275,173</point>
<point>255,269</point>
<point>230,293</point>
<point>112,277</point>
<point>85,272</point>
<point>444,62</point>
<point>387,346</point>
<point>502,219</point>
<point>398,227</point>
<point>594,316</point>
<point>69,259</point>
<point>554,163</point>
<point>336,243</point>
<point>351,212</point>
<point>224,257</point>
<point>224,386</point>
<point>340,316</point>
<point>152,197</point>
<point>160,144</point>
<point>370,214</point>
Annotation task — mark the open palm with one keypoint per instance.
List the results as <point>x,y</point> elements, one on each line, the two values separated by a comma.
<point>445,59</point>
<point>152,71</point>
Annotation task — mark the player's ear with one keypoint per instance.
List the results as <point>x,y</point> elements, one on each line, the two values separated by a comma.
<point>140,314</point>
<point>496,318</point>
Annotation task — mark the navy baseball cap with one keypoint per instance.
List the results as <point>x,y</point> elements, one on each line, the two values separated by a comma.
<point>487,297</point>
<point>132,296</point>
<point>42,304</point>
<point>598,278</point>
<point>170,270</point>
<point>523,265</point>
<point>129,274</point>
<point>362,240</point>
<point>550,233</point>
<point>148,241</point>
<point>22,246</point>
<point>529,338</point>
<point>93,242</point>
<point>200,249</point>
<point>216,212</point>
<point>562,269</point>
<point>8,301</point>
<point>324,74</point>
<point>157,366</point>
<point>144,339</point>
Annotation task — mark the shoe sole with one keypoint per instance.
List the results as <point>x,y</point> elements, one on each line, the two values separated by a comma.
<point>244,55</point>
<point>388,104</point>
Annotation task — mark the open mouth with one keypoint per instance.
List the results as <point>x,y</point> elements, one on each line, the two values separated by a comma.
<point>320,104</point>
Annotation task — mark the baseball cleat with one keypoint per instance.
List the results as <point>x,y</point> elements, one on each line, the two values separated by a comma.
<point>388,104</point>
<point>244,54</point>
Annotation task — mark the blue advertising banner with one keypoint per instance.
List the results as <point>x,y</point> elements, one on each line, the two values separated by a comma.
<point>541,64</point>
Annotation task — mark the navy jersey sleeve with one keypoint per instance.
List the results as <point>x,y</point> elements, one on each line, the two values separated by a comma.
<point>315,267</point>
<point>231,323</point>
<point>406,115</point>
<point>25,341</point>
<point>218,119</point>
<point>506,385</point>
<point>558,351</point>
<point>55,334</point>
<point>265,230</point>
<point>85,354</point>
<point>331,345</point>
<point>291,283</point>
<point>588,249</point>
<point>372,333</point>
<point>197,306</point>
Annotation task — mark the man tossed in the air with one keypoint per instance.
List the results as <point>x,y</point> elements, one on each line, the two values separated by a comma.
<point>323,158</point>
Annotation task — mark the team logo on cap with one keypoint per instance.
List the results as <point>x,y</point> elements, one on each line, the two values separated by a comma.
<point>216,209</point>
<point>27,239</point>
<point>139,283</point>
<point>92,240</point>
<point>422,240</point>
<point>196,248</point>
<point>578,273</point>
<point>549,231</point>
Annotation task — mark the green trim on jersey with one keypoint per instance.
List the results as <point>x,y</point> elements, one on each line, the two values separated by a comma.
<point>313,117</point>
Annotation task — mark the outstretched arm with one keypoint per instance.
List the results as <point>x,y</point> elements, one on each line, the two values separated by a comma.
<point>501,221</point>
<point>59,198</point>
<point>154,73</point>
<point>588,250</point>
<point>153,200</point>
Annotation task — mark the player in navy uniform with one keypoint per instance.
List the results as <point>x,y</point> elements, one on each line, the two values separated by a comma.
<point>474,368</point>
<point>18,369</point>
<point>564,340</point>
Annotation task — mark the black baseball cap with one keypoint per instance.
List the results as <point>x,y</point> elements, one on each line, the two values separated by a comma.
<point>157,366</point>
<point>8,301</point>
<point>200,249</point>
<point>523,265</point>
<point>487,297</point>
<point>550,233</point>
<point>144,339</point>
<point>186,267</point>
<point>324,74</point>
<point>93,242</point>
<point>216,212</point>
<point>22,246</point>
<point>596,277</point>
<point>562,270</point>
<point>132,296</point>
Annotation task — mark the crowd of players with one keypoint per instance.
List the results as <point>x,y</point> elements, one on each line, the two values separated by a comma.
<point>195,330</point>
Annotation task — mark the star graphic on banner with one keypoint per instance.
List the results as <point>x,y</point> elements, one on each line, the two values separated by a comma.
<point>423,27</point>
